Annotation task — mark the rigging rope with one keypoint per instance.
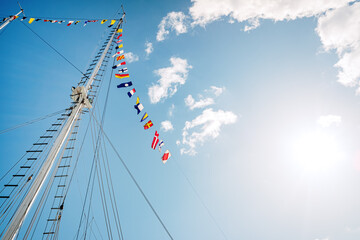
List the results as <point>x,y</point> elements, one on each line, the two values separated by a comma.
<point>132,177</point>
<point>53,48</point>
<point>31,121</point>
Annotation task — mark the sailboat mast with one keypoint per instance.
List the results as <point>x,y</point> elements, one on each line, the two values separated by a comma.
<point>82,101</point>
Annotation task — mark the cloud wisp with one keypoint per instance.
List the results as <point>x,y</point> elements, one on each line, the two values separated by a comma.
<point>329,120</point>
<point>203,102</point>
<point>205,126</point>
<point>131,57</point>
<point>173,21</point>
<point>148,48</point>
<point>167,126</point>
<point>170,78</point>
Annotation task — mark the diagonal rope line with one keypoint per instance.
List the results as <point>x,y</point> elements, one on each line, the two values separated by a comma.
<point>132,177</point>
<point>47,43</point>
<point>30,122</point>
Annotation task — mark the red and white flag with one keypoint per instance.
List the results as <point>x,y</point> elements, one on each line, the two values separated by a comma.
<point>155,140</point>
<point>70,22</point>
<point>166,156</point>
<point>119,41</point>
<point>118,53</point>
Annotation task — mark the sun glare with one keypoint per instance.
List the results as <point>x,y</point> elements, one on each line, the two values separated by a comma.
<point>317,151</point>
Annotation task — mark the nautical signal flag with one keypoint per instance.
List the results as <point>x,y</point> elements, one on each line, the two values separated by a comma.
<point>125,84</point>
<point>144,117</point>
<point>119,41</point>
<point>122,76</point>
<point>155,140</point>
<point>161,144</point>
<point>118,53</point>
<point>120,46</point>
<point>123,63</point>
<point>119,30</point>
<point>148,125</point>
<point>166,156</point>
<point>103,21</point>
<point>23,18</point>
<point>76,22</point>
<point>70,22</point>
<point>120,57</point>
<point>112,23</point>
<point>31,20</point>
<point>120,35</point>
<point>123,70</point>
<point>139,107</point>
<point>131,92</point>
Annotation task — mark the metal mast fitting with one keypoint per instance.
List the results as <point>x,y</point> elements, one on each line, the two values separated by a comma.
<point>11,18</point>
<point>79,95</point>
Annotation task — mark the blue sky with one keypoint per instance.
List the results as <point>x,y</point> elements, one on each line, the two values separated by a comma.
<point>257,102</point>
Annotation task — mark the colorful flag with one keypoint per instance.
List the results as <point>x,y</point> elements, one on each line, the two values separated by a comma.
<point>161,144</point>
<point>123,63</point>
<point>119,41</point>
<point>47,20</point>
<point>125,84</point>
<point>144,117</point>
<point>122,76</point>
<point>120,57</point>
<point>120,46</point>
<point>76,22</point>
<point>131,92</point>
<point>148,125</point>
<point>86,23</point>
<point>118,53</point>
<point>119,36</point>
<point>38,19</point>
<point>23,18</point>
<point>15,17</point>
<point>139,107</point>
<point>70,22</point>
<point>103,21</point>
<point>155,140</point>
<point>123,70</point>
<point>166,156</point>
<point>119,30</point>
<point>31,20</point>
<point>54,21</point>
<point>60,22</point>
<point>112,23</point>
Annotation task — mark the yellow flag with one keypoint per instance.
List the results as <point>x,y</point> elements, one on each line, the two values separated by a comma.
<point>103,21</point>
<point>119,30</point>
<point>120,46</point>
<point>15,17</point>
<point>31,20</point>
<point>137,100</point>
<point>112,22</point>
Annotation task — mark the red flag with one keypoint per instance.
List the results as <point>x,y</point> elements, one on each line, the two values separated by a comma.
<point>70,22</point>
<point>155,140</point>
<point>166,156</point>
<point>120,57</point>
<point>148,125</point>
<point>123,63</point>
<point>119,36</point>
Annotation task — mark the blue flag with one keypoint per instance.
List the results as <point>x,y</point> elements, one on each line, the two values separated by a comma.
<point>125,84</point>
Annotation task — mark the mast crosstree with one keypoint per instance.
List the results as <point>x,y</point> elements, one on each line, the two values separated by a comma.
<point>82,99</point>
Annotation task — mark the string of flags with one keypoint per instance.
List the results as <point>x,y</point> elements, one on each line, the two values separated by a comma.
<point>30,20</point>
<point>122,73</point>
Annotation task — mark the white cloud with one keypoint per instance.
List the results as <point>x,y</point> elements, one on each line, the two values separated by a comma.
<point>206,11</point>
<point>208,124</point>
<point>328,120</point>
<point>170,78</point>
<point>217,90</point>
<point>131,57</point>
<point>149,48</point>
<point>322,239</point>
<point>174,21</point>
<point>339,30</point>
<point>190,102</point>
<point>166,126</point>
